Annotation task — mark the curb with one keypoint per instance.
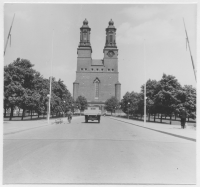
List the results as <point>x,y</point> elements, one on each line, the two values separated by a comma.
<point>179,136</point>
<point>39,126</point>
<point>26,129</point>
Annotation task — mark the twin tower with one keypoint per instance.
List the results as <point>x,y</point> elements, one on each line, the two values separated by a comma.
<point>97,80</point>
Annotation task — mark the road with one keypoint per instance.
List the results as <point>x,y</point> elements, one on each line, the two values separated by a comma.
<point>110,152</point>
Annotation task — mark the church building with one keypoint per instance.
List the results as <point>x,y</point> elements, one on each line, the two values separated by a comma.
<point>97,80</point>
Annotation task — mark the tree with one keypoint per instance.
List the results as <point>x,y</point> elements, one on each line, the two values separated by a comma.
<point>190,103</point>
<point>18,77</point>
<point>81,102</point>
<point>186,98</point>
<point>165,98</point>
<point>151,91</point>
<point>41,87</point>
<point>124,102</point>
<point>25,88</point>
<point>129,103</point>
<point>30,98</point>
<point>65,95</point>
<point>111,104</point>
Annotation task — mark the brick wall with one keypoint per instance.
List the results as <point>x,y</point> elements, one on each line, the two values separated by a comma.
<point>86,74</point>
<point>106,87</point>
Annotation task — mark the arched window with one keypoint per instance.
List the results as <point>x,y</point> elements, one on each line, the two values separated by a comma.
<point>111,38</point>
<point>96,88</point>
<point>85,36</point>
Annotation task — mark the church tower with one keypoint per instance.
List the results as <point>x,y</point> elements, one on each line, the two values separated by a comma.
<point>111,54</point>
<point>84,48</point>
<point>110,49</point>
<point>97,79</point>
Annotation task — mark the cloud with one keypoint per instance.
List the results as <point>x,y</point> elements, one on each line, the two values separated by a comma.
<point>156,23</point>
<point>123,27</point>
<point>152,31</point>
<point>140,12</point>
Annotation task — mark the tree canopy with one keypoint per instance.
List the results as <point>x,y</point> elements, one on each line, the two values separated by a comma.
<point>25,88</point>
<point>166,96</point>
<point>81,102</point>
<point>111,104</point>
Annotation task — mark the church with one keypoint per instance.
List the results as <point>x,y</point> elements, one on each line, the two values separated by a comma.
<point>97,79</point>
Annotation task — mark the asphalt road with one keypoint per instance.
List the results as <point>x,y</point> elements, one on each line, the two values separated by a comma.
<point>110,152</point>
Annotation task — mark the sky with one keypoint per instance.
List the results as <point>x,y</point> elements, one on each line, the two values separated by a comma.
<point>150,38</point>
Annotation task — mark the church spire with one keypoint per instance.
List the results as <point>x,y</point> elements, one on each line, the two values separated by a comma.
<point>85,35</point>
<point>111,35</point>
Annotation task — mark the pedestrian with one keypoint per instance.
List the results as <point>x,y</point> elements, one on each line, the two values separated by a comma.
<point>183,116</point>
<point>69,115</point>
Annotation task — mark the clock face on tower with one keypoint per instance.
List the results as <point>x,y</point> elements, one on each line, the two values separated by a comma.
<point>110,53</point>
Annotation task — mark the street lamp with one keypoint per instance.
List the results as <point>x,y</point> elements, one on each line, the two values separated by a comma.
<point>64,109</point>
<point>48,108</point>
<point>120,110</point>
<point>79,109</point>
<point>72,108</point>
<point>169,99</point>
<point>128,109</point>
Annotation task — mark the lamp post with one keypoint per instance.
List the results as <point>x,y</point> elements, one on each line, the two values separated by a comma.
<point>49,95</point>
<point>145,109</point>
<point>72,107</point>
<point>64,109</point>
<point>128,109</point>
<point>48,108</point>
<point>120,110</point>
<point>170,99</point>
<point>144,84</point>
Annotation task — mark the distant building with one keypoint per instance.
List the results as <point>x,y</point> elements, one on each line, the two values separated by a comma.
<point>97,80</point>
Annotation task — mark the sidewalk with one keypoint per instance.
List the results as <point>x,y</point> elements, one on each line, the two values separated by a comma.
<point>11,127</point>
<point>175,130</point>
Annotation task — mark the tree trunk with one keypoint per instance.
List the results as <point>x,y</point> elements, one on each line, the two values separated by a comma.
<point>31,114</point>
<point>149,116</point>
<point>4,112</point>
<point>38,115</point>
<point>188,118</point>
<point>154,117</point>
<point>175,116</point>
<point>23,114</point>
<point>19,112</point>
<point>170,119</point>
<point>11,113</point>
<point>161,118</point>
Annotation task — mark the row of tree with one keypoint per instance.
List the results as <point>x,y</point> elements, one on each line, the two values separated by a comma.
<point>26,89</point>
<point>165,97</point>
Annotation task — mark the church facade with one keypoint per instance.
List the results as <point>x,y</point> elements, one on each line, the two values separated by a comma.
<point>97,80</point>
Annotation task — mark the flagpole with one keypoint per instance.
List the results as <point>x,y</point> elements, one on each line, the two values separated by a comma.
<point>9,35</point>
<point>49,112</point>
<point>144,85</point>
<point>187,42</point>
